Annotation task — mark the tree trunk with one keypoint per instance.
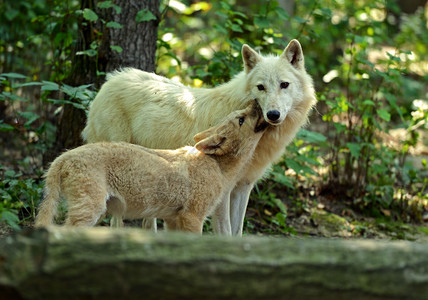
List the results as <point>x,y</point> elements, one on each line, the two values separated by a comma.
<point>138,43</point>
<point>103,263</point>
<point>138,40</point>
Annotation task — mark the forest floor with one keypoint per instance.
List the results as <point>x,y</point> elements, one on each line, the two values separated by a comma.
<point>334,218</point>
<point>328,217</point>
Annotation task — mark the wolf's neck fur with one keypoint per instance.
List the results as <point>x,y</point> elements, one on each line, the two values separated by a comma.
<point>232,164</point>
<point>212,101</point>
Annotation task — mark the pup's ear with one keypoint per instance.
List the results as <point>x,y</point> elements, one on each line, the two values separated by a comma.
<point>250,58</point>
<point>203,135</point>
<point>293,53</point>
<point>211,145</point>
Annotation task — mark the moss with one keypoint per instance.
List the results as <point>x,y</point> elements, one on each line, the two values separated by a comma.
<point>423,229</point>
<point>330,222</point>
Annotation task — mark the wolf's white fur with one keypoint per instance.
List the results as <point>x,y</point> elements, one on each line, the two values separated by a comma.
<point>155,112</point>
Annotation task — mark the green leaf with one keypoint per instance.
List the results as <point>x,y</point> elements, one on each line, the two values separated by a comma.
<point>393,102</point>
<point>393,57</point>
<point>11,14</point>
<point>358,39</point>
<point>280,205</point>
<point>118,49</point>
<point>90,15</point>
<point>280,217</point>
<point>30,116</point>
<point>236,28</point>
<point>10,174</point>
<point>12,97</point>
<point>144,15</point>
<point>11,218</point>
<point>383,114</point>
<point>261,22</point>
<point>282,13</point>
<point>220,28</point>
<point>237,13</point>
<point>5,127</point>
<point>89,52</point>
<point>293,164</point>
<point>112,24</point>
<point>368,102</point>
<point>26,84</point>
<point>278,176</point>
<point>49,86</point>
<point>109,4</point>
<point>354,148</point>
<point>300,20</point>
<point>13,75</point>
<point>311,136</point>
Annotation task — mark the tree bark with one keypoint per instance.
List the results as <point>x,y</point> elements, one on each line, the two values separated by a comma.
<point>138,40</point>
<point>102,263</point>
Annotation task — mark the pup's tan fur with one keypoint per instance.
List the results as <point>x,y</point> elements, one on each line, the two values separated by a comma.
<point>181,186</point>
<point>156,112</point>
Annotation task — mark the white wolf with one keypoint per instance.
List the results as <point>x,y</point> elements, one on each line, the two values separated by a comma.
<point>156,112</point>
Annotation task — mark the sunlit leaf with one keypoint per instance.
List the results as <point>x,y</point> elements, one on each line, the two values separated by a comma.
<point>90,15</point>
<point>354,148</point>
<point>383,114</point>
<point>89,52</point>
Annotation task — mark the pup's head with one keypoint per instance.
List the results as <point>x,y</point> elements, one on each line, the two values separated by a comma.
<point>238,133</point>
<point>279,83</point>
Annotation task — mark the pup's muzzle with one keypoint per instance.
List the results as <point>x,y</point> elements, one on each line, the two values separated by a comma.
<point>261,123</point>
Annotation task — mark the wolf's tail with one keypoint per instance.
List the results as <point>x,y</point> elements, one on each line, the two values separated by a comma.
<point>52,195</point>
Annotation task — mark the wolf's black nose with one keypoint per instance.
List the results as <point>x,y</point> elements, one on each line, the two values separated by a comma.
<point>273,115</point>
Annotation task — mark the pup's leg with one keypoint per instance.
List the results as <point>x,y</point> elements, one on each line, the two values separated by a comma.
<point>171,224</point>
<point>116,222</point>
<point>221,216</point>
<point>185,221</point>
<point>84,209</point>
<point>116,207</point>
<point>238,206</point>
<point>150,224</point>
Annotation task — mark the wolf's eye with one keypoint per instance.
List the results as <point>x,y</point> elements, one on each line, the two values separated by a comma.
<point>284,84</point>
<point>261,87</point>
<point>241,121</point>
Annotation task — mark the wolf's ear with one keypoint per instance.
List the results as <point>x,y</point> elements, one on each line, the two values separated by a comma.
<point>293,53</point>
<point>250,57</point>
<point>211,145</point>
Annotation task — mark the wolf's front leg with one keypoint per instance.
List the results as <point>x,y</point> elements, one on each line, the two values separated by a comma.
<point>238,206</point>
<point>221,216</point>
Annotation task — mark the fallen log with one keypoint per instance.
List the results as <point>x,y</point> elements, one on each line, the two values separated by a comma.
<point>104,263</point>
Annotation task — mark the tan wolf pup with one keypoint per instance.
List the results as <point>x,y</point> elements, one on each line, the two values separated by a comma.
<point>156,112</point>
<point>181,186</point>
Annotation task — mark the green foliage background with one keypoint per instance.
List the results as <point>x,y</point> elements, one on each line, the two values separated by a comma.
<point>369,61</point>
